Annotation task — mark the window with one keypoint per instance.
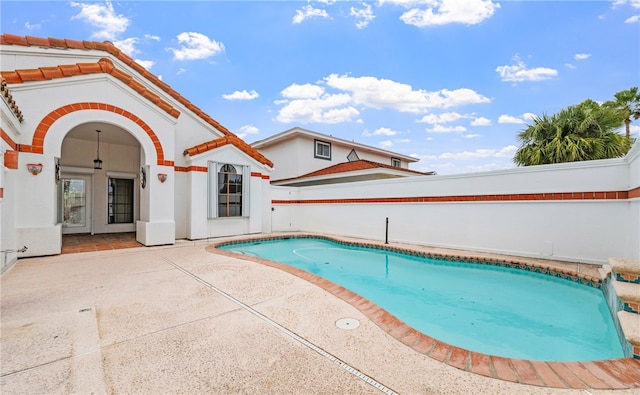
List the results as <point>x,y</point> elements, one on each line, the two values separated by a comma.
<point>229,192</point>
<point>353,156</point>
<point>395,162</point>
<point>120,201</point>
<point>323,150</point>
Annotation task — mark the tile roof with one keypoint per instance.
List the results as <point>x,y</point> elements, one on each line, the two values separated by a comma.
<point>6,96</point>
<point>356,165</point>
<point>222,141</point>
<point>105,65</point>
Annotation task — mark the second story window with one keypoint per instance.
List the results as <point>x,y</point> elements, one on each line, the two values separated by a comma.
<point>322,150</point>
<point>395,162</point>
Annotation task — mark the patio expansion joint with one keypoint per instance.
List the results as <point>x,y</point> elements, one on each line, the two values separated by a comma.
<point>352,370</point>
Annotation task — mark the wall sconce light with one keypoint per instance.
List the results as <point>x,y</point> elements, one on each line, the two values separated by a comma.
<point>97,163</point>
<point>34,168</point>
<point>162,177</point>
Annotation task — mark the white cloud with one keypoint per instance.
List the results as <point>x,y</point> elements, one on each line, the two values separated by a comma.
<point>445,117</point>
<point>386,144</point>
<point>481,121</point>
<point>468,12</point>
<point>147,64</point>
<point>510,119</point>
<point>446,129</point>
<point>569,66</point>
<point>181,71</point>
<point>528,116</point>
<point>128,45</point>
<point>152,37</point>
<point>634,129</point>
<point>581,56</point>
<point>380,132</point>
<point>363,16</point>
<point>632,19</point>
<point>518,72</point>
<point>241,95</point>
<point>196,46</point>
<point>632,3</point>
<point>384,93</point>
<point>307,12</point>
<point>30,26</point>
<point>327,109</point>
<point>104,17</point>
<point>246,130</point>
<point>504,152</point>
<point>306,91</point>
<point>313,103</point>
<point>471,135</point>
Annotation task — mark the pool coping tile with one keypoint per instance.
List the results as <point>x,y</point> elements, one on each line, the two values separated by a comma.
<point>623,373</point>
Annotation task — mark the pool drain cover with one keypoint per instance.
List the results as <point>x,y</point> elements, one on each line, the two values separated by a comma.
<point>347,323</point>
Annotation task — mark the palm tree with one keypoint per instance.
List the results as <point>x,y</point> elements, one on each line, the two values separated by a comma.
<point>627,102</point>
<point>582,132</point>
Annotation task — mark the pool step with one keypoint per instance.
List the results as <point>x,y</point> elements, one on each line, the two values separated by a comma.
<point>625,276</point>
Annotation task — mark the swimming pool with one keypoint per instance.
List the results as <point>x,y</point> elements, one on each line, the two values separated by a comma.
<point>489,309</point>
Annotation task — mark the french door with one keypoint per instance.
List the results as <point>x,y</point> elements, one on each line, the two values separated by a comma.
<point>75,198</point>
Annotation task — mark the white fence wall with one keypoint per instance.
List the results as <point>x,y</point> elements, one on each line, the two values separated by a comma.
<point>584,212</point>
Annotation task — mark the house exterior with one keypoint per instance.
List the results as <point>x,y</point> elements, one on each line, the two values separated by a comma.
<point>302,157</point>
<point>94,143</point>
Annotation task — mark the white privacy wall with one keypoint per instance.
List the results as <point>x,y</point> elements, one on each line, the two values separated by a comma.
<point>584,230</point>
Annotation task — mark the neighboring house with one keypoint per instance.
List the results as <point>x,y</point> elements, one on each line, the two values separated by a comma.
<point>302,157</point>
<point>91,142</point>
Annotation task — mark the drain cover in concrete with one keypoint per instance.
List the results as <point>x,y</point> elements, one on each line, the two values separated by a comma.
<point>347,323</point>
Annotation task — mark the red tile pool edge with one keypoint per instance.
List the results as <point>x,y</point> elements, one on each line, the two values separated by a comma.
<point>621,373</point>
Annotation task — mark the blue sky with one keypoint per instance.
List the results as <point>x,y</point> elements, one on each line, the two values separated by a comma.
<point>451,82</point>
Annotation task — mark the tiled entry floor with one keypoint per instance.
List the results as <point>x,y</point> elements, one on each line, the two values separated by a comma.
<point>101,242</point>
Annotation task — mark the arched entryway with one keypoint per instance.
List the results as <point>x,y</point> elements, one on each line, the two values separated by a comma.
<point>99,199</point>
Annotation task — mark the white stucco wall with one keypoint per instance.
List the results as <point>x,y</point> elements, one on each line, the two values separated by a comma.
<point>573,230</point>
<point>199,225</point>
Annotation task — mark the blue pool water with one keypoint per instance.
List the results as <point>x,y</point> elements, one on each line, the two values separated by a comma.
<point>484,308</point>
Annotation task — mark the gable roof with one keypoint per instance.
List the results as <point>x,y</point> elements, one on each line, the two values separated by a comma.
<point>297,131</point>
<point>233,140</point>
<point>359,170</point>
<point>105,65</point>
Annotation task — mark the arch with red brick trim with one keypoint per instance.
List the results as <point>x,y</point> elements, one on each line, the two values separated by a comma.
<point>37,144</point>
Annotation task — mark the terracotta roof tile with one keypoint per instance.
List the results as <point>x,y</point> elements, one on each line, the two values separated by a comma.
<point>361,164</point>
<point>107,67</point>
<point>6,96</point>
<point>222,141</point>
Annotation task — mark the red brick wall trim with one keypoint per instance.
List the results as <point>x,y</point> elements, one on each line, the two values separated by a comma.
<point>553,196</point>
<point>37,144</point>
<point>259,175</point>
<point>7,139</point>
<point>11,159</point>
<point>1,193</point>
<point>634,193</point>
<point>187,169</point>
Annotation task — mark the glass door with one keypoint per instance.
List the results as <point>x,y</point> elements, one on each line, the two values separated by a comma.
<point>76,204</point>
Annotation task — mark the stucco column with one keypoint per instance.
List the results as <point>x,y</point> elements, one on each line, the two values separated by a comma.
<point>36,213</point>
<point>157,223</point>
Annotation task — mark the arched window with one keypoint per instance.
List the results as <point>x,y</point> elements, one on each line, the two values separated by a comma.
<point>229,192</point>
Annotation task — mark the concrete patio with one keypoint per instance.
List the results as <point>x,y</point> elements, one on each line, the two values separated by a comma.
<point>180,319</point>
